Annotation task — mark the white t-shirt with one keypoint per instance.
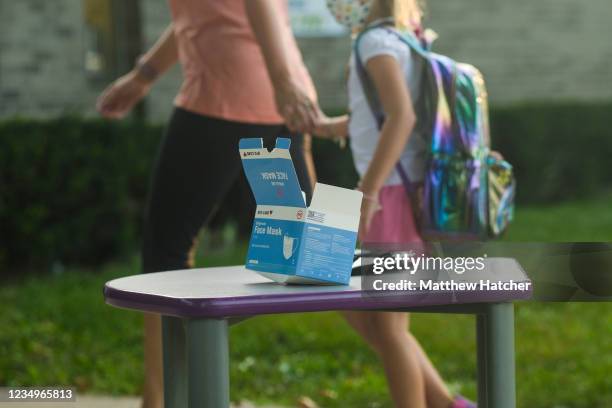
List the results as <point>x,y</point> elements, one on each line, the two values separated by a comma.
<point>363,129</point>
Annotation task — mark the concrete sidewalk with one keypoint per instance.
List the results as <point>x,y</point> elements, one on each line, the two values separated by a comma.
<point>82,401</point>
<point>92,401</point>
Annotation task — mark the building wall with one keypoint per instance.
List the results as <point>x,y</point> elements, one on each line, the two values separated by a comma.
<point>527,50</point>
<point>326,59</point>
<point>531,49</point>
<point>41,58</point>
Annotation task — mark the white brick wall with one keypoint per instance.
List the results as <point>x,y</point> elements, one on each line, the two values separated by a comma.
<point>527,49</point>
<point>41,58</point>
<point>531,49</point>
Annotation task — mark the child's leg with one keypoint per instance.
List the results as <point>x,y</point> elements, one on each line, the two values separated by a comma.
<point>379,335</point>
<point>386,333</point>
<point>436,392</point>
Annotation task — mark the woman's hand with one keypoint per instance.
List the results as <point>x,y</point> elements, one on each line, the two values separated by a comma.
<point>295,106</point>
<point>369,207</point>
<point>121,96</point>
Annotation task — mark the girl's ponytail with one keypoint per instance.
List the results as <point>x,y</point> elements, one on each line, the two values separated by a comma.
<point>407,13</point>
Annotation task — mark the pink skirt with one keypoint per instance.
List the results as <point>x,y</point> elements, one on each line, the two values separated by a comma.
<point>394,222</point>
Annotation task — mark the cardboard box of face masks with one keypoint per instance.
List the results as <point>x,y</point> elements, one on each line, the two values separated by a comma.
<point>292,243</point>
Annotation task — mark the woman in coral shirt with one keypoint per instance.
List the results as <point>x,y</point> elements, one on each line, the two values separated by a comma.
<point>243,76</point>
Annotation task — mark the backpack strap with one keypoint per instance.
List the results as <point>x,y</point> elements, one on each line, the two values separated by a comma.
<point>371,95</point>
<point>368,86</point>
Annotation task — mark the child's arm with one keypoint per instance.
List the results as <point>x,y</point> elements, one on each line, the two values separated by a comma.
<point>331,127</point>
<point>400,119</point>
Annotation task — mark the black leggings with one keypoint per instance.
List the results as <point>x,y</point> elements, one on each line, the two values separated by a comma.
<point>197,164</point>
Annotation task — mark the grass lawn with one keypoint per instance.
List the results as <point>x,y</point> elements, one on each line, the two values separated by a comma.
<point>57,330</point>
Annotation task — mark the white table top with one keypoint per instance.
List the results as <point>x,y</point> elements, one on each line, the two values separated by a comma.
<point>234,290</point>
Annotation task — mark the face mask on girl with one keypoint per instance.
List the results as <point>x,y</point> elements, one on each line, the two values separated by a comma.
<point>350,13</point>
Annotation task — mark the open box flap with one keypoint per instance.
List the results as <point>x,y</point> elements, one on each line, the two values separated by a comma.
<point>336,200</point>
<point>271,174</point>
<point>335,207</point>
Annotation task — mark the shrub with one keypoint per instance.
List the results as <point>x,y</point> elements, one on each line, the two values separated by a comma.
<point>73,190</point>
<point>334,165</point>
<point>559,152</point>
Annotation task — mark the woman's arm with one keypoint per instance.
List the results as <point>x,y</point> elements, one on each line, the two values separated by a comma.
<point>299,112</point>
<point>122,95</point>
<point>163,54</point>
<point>400,119</point>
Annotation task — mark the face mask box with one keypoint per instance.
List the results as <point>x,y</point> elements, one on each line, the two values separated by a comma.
<point>292,243</point>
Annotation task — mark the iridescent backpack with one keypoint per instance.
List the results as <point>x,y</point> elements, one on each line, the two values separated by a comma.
<point>468,190</point>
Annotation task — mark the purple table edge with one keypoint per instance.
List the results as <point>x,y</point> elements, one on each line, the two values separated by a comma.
<point>195,331</point>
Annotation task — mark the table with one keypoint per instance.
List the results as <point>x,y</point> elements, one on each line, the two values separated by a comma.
<point>199,305</point>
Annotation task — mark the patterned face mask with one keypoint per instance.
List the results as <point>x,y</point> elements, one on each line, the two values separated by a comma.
<point>350,13</point>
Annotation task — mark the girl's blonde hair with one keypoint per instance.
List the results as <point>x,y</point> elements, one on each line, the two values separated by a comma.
<point>406,13</point>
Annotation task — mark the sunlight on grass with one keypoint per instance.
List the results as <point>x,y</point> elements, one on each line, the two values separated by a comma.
<point>566,222</point>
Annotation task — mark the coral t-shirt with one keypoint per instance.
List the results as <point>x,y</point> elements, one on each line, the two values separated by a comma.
<point>224,71</point>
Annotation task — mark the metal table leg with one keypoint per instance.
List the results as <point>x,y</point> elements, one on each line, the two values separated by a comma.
<point>196,360</point>
<point>208,363</point>
<point>481,360</point>
<point>175,362</point>
<point>496,366</point>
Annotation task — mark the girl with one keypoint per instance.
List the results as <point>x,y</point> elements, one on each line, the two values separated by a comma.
<point>386,210</point>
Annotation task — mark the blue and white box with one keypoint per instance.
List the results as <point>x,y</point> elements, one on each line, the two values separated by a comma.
<point>292,243</point>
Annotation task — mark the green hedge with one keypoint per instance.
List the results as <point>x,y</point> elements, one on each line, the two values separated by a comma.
<point>559,152</point>
<point>73,190</point>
